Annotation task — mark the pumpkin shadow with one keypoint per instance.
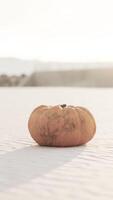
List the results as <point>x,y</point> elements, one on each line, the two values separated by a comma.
<point>22,165</point>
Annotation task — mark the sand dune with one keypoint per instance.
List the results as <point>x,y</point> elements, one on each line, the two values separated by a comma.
<point>31,172</point>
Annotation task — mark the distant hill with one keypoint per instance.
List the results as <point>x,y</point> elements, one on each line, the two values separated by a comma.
<point>14,66</point>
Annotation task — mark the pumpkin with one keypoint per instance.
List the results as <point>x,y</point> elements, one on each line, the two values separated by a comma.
<point>61,125</point>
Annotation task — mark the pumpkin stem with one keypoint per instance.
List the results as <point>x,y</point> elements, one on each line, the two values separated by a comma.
<point>63,105</point>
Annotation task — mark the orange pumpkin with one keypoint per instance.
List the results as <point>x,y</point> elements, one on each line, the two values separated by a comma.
<point>61,125</point>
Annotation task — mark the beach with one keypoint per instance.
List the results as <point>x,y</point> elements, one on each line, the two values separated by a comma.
<point>28,171</point>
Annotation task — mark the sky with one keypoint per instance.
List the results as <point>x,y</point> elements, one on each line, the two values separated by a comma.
<point>57,30</point>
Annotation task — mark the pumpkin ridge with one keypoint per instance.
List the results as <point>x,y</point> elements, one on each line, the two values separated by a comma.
<point>89,113</point>
<point>90,136</point>
<point>79,127</point>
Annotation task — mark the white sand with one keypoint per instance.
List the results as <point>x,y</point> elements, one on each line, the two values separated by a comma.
<point>31,172</point>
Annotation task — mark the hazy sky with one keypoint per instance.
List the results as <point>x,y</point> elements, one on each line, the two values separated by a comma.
<point>62,30</point>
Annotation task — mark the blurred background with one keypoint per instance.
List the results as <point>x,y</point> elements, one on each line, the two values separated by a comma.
<point>56,43</point>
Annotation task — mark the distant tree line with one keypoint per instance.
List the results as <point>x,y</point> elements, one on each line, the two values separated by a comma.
<point>78,78</point>
<point>11,80</point>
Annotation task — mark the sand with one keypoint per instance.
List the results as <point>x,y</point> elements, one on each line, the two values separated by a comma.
<point>31,172</point>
